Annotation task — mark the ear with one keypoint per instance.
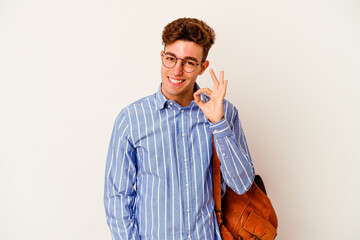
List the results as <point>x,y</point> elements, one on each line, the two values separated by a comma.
<point>161,53</point>
<point>204,66</point>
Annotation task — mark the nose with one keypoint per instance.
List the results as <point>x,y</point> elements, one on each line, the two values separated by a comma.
<point>177,69</point>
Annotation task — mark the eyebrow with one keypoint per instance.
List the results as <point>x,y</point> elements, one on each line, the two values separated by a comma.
<point>192,58</point>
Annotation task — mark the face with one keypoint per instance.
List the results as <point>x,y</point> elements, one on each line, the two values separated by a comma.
<point>177,84</point>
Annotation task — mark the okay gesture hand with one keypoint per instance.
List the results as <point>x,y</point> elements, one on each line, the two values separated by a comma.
<point>214,108</point>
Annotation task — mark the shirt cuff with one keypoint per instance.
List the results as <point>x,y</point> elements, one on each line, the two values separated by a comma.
<point>220,129</point>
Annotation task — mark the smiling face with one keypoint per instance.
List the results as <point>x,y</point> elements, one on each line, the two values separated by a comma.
<point>178,85</point>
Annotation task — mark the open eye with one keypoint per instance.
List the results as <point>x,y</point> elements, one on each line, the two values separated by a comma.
<point>169,58</point>
<point>189,63</point>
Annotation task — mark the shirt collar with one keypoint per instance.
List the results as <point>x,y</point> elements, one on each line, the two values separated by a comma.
<point>161,100</point>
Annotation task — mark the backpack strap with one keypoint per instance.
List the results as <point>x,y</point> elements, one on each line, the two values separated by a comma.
<point>217,184</point>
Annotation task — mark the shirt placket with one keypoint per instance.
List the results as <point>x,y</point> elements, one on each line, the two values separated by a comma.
<point>186,188</point>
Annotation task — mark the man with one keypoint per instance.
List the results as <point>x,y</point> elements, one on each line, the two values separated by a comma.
<point>158,182</point>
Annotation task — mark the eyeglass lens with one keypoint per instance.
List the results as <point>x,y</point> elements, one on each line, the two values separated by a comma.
<point>170,61</point>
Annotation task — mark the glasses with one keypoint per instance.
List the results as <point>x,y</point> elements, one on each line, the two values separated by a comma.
<point>188,64</point>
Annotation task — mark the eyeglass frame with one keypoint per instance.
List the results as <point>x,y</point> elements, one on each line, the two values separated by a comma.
<point>182,59</point>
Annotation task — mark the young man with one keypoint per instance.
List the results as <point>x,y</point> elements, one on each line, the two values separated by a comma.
<point>158,182</point>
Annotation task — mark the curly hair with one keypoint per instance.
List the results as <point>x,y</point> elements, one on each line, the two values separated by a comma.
<point>190,29</point>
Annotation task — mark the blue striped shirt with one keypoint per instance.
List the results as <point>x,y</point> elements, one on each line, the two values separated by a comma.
<point>158,179</point>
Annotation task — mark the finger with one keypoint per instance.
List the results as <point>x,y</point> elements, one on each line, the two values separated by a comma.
<point>225,86</point>
<point>214,78</point>
<point>208,91</point>
<point>197,99</point>
<point>222,88</point>
<point>221,77</point>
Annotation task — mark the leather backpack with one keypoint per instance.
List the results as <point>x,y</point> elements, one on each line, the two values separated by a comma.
<point>249,216</point>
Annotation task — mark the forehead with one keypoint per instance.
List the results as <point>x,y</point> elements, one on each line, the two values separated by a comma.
<point>183,49</point>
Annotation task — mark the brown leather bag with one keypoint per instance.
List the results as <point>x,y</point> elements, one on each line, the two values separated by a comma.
<point>249,216</point>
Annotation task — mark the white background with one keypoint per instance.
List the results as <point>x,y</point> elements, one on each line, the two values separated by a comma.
<point>67,68</point>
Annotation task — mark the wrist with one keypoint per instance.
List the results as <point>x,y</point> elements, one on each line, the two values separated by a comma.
<point>220,129</point>
<point>216,119</point>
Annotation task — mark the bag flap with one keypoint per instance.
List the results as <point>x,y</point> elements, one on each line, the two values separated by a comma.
<point>260,227</point>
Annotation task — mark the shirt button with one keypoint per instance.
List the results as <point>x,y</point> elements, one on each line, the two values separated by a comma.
<point>189,237</point>
<point>223,154</point>
<point>185,160</point>
<point>182,111</point>
<point>187,185</point>
<point>188,210</point>
<point>171,103</point>
<point>183,134</point>
<point>215,131</point>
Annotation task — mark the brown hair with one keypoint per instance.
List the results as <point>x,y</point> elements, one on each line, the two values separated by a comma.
<point>190,29</point>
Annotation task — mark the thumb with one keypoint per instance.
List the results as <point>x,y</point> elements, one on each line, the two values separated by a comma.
<point>197,99</point>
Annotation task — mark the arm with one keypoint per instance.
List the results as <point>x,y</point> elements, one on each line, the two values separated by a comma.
<point>120,179</point>
<point>230,143</point>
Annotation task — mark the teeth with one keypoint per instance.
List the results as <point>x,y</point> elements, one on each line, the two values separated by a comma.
<point>175,81</point>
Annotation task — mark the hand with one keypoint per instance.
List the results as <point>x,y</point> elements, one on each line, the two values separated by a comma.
<point>214,108</point>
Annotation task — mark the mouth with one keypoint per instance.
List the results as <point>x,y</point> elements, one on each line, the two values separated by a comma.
<point>176,81</point>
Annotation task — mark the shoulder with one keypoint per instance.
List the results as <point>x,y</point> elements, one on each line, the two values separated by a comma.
<point>229,108</point>
<point>145,102</point>
<point>230,111</point>
<point>132,108</point>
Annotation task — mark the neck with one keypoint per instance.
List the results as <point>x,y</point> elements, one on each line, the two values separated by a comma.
<point>183,100</point>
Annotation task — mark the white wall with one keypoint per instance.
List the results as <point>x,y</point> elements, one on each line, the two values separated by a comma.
<point>68,67</point>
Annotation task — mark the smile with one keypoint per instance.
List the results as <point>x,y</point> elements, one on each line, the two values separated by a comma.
<point>175,81</point>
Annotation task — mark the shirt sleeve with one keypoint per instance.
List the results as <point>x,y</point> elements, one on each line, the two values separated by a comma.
<point>120,182</point>
<point>235,162</point>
